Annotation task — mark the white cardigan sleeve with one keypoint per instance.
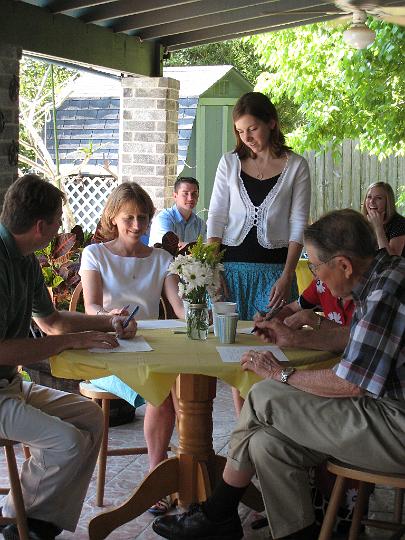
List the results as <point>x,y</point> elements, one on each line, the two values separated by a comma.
<point>218,211</point>
<point>300,203</point>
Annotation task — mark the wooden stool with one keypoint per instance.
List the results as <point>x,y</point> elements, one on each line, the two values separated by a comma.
<point>366,480</point>
<point>103,398</point>
<point>15,488</point>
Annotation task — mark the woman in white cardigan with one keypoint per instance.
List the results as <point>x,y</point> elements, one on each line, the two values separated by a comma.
<point>259,208</point>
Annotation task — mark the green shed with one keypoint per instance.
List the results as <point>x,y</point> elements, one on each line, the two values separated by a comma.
<point>207,97</point>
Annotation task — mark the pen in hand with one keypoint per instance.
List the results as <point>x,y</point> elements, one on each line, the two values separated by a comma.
<point>124,309</point>
<point>272,314</point>
<point>129,319</point>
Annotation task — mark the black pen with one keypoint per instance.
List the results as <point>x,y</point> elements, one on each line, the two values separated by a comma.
<point>272,313</point>
<point>127,321</point>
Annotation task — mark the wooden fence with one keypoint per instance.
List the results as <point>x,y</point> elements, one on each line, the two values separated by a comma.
<point>336,183</point>
<point>342,182</point>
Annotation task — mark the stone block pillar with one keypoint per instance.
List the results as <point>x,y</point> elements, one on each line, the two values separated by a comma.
<point>149,135</point>
<point>9,89</point>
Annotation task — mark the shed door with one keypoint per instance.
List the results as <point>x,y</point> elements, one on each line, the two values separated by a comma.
<point>214,137</point>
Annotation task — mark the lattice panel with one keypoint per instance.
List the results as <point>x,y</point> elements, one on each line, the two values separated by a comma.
<point>87,197</point>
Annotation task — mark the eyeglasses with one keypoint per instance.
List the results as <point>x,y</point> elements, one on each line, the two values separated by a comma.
<point>312,267</point>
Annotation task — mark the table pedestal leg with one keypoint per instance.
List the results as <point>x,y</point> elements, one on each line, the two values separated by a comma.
<point>191,474</point>
<point>163,480</point>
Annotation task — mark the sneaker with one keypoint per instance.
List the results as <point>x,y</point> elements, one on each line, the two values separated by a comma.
<point>195,525</point>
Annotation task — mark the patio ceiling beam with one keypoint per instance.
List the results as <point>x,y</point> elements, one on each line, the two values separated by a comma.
<point>65,38</point>
<point>255,15</point>
<point>62,6</point>
<point>209,7</point>
<point>122,8</point>
<point>234,31</point>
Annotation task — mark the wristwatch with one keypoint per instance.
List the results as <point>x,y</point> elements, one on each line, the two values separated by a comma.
<point>285,373</point>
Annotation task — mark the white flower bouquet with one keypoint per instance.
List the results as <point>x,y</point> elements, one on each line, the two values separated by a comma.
<point>199,273</point>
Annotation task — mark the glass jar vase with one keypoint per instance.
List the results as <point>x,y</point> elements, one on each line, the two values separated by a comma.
<point>197,321</point>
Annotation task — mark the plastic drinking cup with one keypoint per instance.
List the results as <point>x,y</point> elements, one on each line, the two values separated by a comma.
<point>221,307</point>
<point>227,324</point>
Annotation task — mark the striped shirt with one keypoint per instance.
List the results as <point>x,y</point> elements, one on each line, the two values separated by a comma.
<point>374,358</point>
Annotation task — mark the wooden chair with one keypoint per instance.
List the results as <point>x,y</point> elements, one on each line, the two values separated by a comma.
<point>103,398</point>
<point>15,487</point>
<point>367,479</point>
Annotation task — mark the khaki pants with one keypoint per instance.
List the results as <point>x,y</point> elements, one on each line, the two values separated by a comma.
<point>63,432</point>
<point>283,431</point>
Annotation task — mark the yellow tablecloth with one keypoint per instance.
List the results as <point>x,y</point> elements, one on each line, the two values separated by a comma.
<point>153,373</point>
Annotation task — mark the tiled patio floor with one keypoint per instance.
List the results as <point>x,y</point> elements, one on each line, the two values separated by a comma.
<point>124,473</point>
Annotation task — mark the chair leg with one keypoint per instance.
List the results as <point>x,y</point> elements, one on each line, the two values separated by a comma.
<point>102,457</point>
<point>26,450</point>
<point>360,506</point>
<point>333,507</point>
<point>16,493</point>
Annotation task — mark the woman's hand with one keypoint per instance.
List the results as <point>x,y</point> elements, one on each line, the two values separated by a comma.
<point>129,332</point>
<point>376,219</point>
<point>263,364</point>
<point>116,311</point>
<point>280,291</point>
<point>222,291</point>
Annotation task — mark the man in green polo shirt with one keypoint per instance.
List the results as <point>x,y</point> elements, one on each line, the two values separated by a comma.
<point>63,431</point>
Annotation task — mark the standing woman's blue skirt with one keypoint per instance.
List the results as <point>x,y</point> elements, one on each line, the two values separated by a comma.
<point>249,285</point>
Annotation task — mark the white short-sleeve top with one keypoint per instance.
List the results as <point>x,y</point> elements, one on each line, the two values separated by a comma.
<point>129,280</point>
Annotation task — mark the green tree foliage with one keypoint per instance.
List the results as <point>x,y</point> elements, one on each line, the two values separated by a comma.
<point>340,93</point>
<point>35,105</point>
<point>236,52</point>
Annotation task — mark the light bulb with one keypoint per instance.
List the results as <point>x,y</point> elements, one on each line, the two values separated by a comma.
<point>359,36</point>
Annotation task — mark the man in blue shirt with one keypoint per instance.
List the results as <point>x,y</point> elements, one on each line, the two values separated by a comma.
<point>180,218</point>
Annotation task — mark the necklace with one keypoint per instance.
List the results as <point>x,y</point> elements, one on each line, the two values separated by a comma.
<point>259,174</point>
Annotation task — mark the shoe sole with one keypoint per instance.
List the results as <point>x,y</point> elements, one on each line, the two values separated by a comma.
<point>177,537</point>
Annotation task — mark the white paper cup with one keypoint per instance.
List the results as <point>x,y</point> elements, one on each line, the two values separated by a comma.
<point>227,324</point>
<point>221,307</point>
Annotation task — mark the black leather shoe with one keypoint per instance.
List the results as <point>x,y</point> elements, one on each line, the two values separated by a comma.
<point>194,525</point>
<point>48,533</point>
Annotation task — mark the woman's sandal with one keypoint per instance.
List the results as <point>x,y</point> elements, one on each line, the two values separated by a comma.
<point>161,507</point>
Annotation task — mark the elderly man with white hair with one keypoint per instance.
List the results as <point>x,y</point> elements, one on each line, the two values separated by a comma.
<point>294,420</point>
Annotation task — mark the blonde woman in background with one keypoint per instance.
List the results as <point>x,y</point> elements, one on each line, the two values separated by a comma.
<point>388,224</point>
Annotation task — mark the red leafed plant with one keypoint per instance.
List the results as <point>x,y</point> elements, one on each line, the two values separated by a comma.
<point>60,263</point>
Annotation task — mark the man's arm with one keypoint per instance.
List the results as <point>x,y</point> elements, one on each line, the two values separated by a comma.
<point>321,382</point>
<point>15,352</point>
<point>65,322</point>
<point>66,330</point>
<point>328,339</point>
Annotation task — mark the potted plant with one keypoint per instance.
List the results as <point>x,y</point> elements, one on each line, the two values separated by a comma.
<point>60,263</point>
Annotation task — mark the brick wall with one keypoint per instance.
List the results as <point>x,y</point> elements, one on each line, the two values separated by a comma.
<point>9,72</point>
<point>149,135</point>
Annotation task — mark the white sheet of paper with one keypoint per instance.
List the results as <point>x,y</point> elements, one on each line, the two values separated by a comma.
<point>233,353</point>
<point>244,330</point>
<point>160,323</point>
<point>137,344</point>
